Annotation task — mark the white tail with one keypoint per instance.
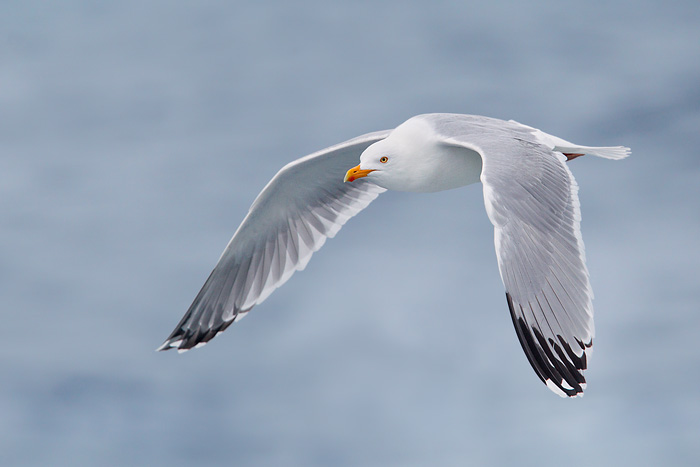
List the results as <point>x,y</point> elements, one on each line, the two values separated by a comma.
<point>566,147</point>
<point>608,152</point>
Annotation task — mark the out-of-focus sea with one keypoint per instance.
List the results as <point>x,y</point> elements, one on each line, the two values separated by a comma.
<point>135,135</point>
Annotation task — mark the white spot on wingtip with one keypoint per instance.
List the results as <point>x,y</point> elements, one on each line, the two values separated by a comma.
<point>555,389</point>
<point>168,345</point>
<point>550,384</point>
<point>566,385</point>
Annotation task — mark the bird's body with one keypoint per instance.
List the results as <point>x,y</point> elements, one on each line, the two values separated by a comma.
<point>530,197</point>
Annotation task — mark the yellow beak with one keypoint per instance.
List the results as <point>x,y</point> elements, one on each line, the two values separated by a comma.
<point>355,173</point>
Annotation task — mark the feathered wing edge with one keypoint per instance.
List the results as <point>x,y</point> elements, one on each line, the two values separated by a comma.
<point>563,373</point>
<point>191,332</point>
<point>552,314</point>
<point>303,205</point>
<point>531,198</point>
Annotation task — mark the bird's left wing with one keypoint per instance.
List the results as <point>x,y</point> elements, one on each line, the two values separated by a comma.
<point>531,199</point>
<point>303,205</point>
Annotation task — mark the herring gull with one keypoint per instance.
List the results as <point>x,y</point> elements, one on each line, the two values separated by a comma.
<point>530,197</point>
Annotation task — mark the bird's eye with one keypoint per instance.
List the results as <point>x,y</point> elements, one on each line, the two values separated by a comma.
<point>383,159</point>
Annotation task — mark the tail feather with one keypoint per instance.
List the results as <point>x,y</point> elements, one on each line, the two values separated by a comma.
<point>608,152</point>
<point>567,147</point>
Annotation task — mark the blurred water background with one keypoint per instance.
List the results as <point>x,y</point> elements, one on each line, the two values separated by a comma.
<point>135,135</point>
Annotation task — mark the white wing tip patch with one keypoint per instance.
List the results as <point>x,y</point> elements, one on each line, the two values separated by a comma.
<point>559,392</point>
<point>167,345</point>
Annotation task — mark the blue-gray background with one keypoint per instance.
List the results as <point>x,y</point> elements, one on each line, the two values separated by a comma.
<point>134,136</point>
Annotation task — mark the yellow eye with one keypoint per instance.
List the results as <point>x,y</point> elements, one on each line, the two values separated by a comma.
<point>383,159</point>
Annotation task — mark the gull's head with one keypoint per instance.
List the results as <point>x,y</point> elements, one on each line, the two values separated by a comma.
<point>380,163</point>
<point>410,159</point>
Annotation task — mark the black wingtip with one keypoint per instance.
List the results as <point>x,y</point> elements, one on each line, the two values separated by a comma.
<point>526,342</point>
<point>184,338</point>
<point>552,370</point>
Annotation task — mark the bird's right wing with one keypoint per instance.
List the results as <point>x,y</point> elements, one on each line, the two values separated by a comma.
<point>531,198</point>
<point>303,205</point>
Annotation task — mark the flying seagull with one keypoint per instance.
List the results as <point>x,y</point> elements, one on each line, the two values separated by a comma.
<point>530,196</point>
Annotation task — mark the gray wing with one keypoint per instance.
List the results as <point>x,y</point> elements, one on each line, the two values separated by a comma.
<point>303,205</point>
<point>531,199</point>
<point>535,211</point>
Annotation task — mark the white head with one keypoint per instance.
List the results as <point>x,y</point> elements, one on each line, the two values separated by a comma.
<point>413,158</point>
